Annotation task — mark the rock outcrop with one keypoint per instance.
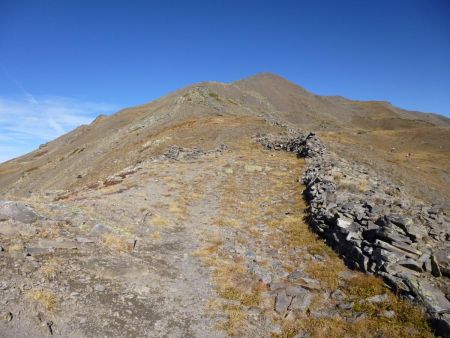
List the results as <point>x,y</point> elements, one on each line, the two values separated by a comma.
<point>376,226</point>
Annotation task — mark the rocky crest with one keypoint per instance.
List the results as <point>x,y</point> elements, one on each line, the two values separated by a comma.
<point>375,225</point>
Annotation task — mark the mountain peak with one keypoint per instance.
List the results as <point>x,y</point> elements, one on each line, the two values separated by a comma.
<point>266,77</point>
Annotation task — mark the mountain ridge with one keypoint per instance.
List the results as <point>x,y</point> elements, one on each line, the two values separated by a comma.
<point>111,143</point>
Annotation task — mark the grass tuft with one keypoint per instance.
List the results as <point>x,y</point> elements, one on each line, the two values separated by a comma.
<point>45,298</point>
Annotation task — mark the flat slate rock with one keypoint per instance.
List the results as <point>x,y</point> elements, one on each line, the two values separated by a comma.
<point>55,244</point>
<point>433,298</point>
<point>11,210</point>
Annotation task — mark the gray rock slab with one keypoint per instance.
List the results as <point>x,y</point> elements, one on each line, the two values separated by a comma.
<point>17,211</point>
<point>431,297</point>
<point>282,302</point>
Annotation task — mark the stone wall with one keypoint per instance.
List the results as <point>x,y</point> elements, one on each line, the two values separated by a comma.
<point>375,225</point>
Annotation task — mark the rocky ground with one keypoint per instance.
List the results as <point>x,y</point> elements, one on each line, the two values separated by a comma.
<point>375,225</point>
<point>194,243</point>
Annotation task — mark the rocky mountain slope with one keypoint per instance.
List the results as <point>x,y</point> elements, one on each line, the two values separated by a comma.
<point>111,143</point>
<point>172,219</point>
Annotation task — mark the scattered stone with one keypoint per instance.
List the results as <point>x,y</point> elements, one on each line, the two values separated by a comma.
<point>8,316</point>
<point>378,299</point>
<point>99,287</point>
<point>282,302</point>
<point>276,286</point>
<point>276,330</point>
<point>48,244</point>
<point>295,275</point>
<point>295,290</point>
<point>389,314</point>
<point>338,295</point>
<point>100,229</point>
<point>346,306</point>
<point>309,284</point>
<point>84,240</point>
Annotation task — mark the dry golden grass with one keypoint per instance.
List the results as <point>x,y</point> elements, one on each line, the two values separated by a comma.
<point>408,321</point>
<point>236,318</point>
<point>49,232</point>
<point>232,283</point>
<point>326,272</point>
<point>159,220</point>
<point>364,327</point>
<point>46,299</point>
<point>179,210</point>
<point>156,235</point>
<point>16,247</point>
<point>231,292</point>
<point>363,186</point>
<point>51,268</point>
<point>228,222</point>
<point>117,242</point>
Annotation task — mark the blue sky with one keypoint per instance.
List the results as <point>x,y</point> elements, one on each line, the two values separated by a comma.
<point>64,62</point>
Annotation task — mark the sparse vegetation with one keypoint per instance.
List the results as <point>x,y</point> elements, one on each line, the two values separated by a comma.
<point>159,220</point>
<point>51,268</point>
<point>45,298</point>
<point>117,242</point>
<point>214,95</point>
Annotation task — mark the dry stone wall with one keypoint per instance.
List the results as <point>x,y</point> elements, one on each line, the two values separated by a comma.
<point>375,225</point>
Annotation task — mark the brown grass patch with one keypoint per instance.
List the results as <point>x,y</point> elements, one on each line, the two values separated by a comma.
<point>159,220</point>
<point>46,299</point>
<point>156,235</point>
<point>117,242</point>
<point>236,318</point>
<point>326,272</point>
<point>51,268</point>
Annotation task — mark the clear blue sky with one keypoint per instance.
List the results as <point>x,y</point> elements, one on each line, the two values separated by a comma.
<point>63,62</point>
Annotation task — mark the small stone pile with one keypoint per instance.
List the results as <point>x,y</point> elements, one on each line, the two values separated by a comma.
<point>179,153</point>
<point>375,225</point>
<point>174,152</point>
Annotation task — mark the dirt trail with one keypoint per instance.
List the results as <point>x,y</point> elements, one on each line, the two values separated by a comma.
<point>211,245</point>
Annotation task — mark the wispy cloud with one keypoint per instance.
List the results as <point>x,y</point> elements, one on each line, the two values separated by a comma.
<point>27,121</point>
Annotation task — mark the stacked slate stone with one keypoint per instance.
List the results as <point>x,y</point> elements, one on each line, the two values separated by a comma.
<point>376,226</point>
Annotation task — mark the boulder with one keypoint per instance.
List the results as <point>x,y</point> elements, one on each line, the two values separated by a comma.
<point>442,258</point>
<point>17,211</point>
<point>429,295</point>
